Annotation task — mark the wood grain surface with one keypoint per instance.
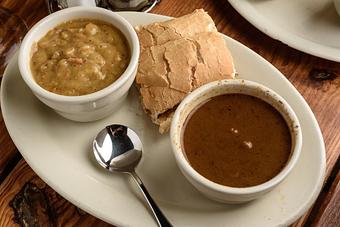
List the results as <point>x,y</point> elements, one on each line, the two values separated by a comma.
<point>329,211</point>
<point>27,201</point>
<point>24,198</point>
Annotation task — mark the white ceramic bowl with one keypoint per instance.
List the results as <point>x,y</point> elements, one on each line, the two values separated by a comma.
<point>92,106</point>
<point>209,188</point>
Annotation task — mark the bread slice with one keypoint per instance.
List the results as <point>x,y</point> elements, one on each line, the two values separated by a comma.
<point>178,56</point>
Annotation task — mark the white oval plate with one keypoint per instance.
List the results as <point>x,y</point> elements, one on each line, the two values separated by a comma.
<point>60,152</point>
<point>311,26</point>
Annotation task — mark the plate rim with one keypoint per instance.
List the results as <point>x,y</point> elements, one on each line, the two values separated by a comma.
<point>290,218</point>
<point>275,32</point>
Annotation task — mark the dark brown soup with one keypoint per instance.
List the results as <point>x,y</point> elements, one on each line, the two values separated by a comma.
<point>236,140</point>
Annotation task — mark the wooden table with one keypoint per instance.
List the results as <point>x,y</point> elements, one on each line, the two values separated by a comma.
<point>25,198</point>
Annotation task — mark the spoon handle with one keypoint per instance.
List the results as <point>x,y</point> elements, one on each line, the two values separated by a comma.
<point>162,221</point>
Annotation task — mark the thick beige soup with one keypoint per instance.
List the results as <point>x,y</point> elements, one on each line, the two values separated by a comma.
<point>80,57</point>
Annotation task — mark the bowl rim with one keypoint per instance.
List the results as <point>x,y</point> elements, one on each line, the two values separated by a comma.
<point>29,40</point>
<point>176,127</point>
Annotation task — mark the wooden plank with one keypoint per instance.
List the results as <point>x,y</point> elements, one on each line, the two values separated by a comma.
<point>26,200</point>
<point>329,210</point>
<point>9,155</point>
<point>31,11</point>
<point>321,92</point>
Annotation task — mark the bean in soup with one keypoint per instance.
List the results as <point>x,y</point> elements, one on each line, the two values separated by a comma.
<point>80,57</point>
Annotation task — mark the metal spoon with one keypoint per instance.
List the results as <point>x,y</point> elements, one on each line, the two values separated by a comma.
<point>118,148</point>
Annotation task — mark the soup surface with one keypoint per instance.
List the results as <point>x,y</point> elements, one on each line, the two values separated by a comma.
<point>80,57</point>
<point>236,140</point>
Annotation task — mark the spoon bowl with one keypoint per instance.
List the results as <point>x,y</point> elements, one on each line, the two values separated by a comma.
<point>118,148</point>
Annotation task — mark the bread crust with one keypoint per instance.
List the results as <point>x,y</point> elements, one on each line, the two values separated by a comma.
<point>188,25</point>
<point>178,56</point>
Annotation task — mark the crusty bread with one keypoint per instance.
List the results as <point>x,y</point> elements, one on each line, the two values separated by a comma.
<point>178,56</point>
<point>188,25</point>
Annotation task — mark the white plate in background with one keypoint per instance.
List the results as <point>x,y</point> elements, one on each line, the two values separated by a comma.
<point>60,152</point>
<point>311,26</point>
